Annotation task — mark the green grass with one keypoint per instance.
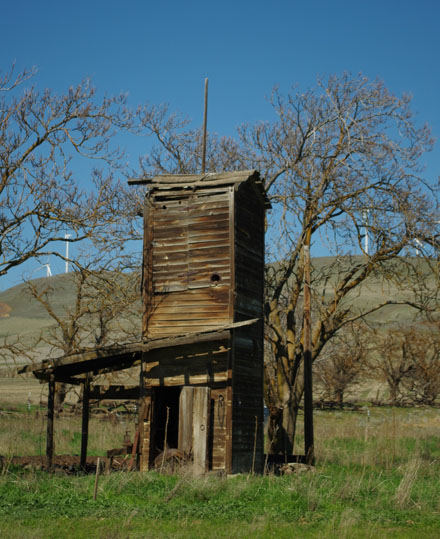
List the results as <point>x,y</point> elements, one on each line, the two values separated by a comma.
<point>334,501</point>
<point>376,478</point>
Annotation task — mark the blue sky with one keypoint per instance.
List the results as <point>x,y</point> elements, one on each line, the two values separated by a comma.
<point>161,51</point>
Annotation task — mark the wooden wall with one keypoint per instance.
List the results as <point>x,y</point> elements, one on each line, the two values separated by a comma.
<point>195,364</point>
<point>187,273</point>
<point>247,346</point>
<point>203,269</point>
<point>199,364</point>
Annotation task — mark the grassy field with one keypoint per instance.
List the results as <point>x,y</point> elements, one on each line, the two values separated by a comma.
<point>377,470</point>
<point>376,476</point>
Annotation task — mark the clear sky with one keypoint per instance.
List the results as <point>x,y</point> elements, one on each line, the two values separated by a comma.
<point>161,51</point>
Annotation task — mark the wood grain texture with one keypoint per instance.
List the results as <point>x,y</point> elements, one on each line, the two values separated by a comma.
<point>200,421</point>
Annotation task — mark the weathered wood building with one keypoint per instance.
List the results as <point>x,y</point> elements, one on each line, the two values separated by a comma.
<point>201,359</point>
<point>203,275</point>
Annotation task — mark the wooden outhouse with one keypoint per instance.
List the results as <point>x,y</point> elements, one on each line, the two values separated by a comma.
<point>203,280</point>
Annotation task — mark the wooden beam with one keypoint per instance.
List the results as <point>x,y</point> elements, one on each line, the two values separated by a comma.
<point>114,392</point>
<point>47,374</point>
<point>101,361</point>
<point>185,443</point>
<point>50,429</point>
<point>131,353</point>
<point>205,121</point>
<point>85,422</point>
<point>200,427</point>
<point>182,179</point>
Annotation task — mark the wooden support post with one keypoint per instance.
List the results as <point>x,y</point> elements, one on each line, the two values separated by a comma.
<point>308,388</point>
<point>98,469</point>
<point>85,422</point>
<point>205,121</point>
<point>50,416</point>
<point>201,405</point>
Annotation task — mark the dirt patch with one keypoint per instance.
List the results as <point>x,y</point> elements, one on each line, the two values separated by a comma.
<point>68,464</point>
<point>5,309</point>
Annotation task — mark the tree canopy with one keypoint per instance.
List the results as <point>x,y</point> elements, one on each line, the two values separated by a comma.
<point>340,160</point>
<point>332,153</point>
<point>43,138</point>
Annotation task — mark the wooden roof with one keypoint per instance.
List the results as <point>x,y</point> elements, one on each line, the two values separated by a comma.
<point>168,182</point>
<point>72,368</point>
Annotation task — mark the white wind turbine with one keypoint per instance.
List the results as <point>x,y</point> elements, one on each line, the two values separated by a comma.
<point>66,237</point>
<point>365,216</point>
<point>48,270</point>
<point>418,246</point>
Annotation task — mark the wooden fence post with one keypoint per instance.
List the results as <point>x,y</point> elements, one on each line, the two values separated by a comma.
<point>85,422</point>
<point>50,429</point>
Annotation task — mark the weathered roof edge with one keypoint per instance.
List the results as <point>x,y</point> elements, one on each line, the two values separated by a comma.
<point>135,348</point>
<point>209,179</point>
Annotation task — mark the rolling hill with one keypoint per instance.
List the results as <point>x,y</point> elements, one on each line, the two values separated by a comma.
<point>22,315</point>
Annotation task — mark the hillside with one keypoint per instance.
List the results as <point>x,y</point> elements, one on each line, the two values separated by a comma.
<point>25,315</point>
<point>25,318</point>
<point>21,314</point>
<point>375,291</point>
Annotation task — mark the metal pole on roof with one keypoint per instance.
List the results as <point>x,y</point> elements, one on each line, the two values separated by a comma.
<point>205,121</point>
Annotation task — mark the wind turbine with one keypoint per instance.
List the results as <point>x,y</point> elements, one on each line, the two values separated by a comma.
<point>66,237</point>
<point>365,214</point>
<point>418,246</point>
<point>48,270</point>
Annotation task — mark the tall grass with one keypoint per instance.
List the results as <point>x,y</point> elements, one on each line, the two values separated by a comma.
<point>25,434</point>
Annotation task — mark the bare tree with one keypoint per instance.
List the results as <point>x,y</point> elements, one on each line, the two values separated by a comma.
<point>342,363</point>
<point>332,153</point>
<point>391,360</point>
<point>423,381</point>
<point>43,138</point>
<point>96,305</point>
<point>346,146</point>
<point>178,148</point>
<point>407,358</point>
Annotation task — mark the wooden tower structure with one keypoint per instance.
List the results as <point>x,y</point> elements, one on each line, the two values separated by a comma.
<point>203,281</point>
<point>201,356</point>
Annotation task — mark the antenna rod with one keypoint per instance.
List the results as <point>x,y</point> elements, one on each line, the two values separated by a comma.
<point>205,121</point>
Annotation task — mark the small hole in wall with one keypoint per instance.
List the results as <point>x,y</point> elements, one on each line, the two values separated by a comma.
<point>164,207</point>
<point>215,278</point>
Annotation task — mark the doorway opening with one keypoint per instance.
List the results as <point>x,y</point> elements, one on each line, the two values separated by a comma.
<point>166,418</point>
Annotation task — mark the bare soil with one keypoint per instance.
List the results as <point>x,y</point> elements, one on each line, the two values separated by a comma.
<point>68,464</point>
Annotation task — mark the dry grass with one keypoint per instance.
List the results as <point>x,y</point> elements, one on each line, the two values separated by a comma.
<point>385,438</point>
<point>25,434</point>
<point>403,493</point>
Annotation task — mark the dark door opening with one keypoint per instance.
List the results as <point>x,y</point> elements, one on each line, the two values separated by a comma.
<point>166,418</point>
